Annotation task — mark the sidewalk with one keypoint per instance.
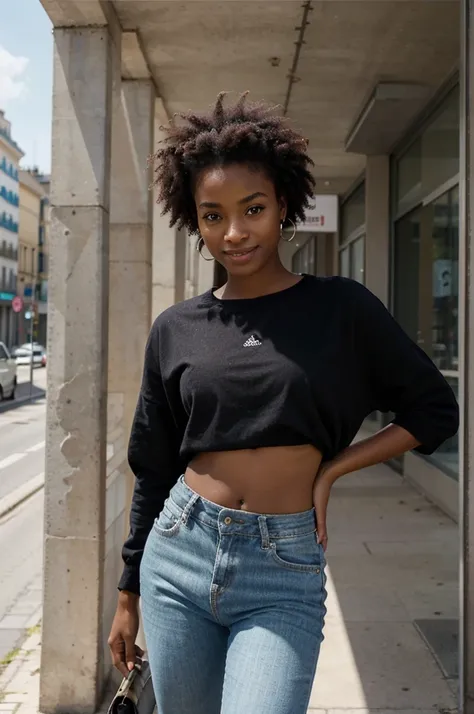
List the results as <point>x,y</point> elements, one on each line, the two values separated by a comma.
<point>393,586</point>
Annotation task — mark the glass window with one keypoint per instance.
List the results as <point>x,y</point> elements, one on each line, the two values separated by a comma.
<point>427,293</point>
<point>3,354</point>
<point>345,262</point>
<point>358,259</point>
<point>352,260</point>
<point>406,272</point>
<point>409,176</point>
<point>432,159</point>
<point>304,260</point>
<point>353,213</point>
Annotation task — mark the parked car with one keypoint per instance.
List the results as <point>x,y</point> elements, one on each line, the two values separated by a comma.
<point>8,377</point>
<point>22,354</point>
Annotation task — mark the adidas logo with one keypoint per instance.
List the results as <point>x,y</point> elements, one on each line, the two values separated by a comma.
<point>252,342</point>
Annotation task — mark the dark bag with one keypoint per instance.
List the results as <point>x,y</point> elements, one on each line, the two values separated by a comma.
<point>135,695</point>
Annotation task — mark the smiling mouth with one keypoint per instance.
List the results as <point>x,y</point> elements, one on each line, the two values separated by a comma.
<point>239,253</point>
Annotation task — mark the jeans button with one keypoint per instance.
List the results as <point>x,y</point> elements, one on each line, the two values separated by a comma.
<point>228,521</point>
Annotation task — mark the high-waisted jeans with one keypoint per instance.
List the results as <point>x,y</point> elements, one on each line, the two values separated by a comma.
<point>233,608</point>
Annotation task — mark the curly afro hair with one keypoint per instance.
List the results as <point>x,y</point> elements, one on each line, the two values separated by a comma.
<point>242,133</point>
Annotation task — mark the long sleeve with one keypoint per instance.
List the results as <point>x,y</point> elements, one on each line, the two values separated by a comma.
<point>153,457</point>
<point>401,377</point>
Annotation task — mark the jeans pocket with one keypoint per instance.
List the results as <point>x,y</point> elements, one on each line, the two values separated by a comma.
<point>168,523</point>
<point>300,552</point>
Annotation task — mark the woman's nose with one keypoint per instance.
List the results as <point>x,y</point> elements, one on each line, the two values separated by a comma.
<point>236,232</point>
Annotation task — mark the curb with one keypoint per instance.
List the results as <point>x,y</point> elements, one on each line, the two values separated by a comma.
<point>21,494</point>
<point>6,405</point>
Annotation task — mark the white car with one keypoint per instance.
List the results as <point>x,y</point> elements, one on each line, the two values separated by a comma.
<point>7,374</point>
<point>23,355</point>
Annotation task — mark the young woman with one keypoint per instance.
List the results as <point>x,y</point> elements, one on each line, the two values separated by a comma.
<point>254,394</point>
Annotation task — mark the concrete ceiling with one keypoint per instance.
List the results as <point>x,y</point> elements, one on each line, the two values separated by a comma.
<point>200,47</point>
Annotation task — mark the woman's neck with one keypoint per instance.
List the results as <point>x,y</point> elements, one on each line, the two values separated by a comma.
<point>270,279</point>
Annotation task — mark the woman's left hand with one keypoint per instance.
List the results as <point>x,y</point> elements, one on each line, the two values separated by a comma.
<point>321,491</point>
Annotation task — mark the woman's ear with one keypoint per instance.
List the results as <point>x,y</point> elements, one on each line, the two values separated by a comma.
<point>283,209</point>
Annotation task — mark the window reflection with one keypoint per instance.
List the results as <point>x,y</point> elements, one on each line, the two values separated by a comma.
<point>432,159</point>
<point>304,260</point>
<point>345,258</point>
<point>427,293</point>
<point>352,260</point>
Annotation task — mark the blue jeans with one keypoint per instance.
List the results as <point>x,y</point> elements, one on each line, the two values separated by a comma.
<point>233,608</point>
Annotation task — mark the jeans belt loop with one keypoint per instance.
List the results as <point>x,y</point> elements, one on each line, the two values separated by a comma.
<point>189,507</point>
<point>262,522</point>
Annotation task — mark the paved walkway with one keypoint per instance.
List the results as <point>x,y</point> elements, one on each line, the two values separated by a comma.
<point>392,574</point>
<point>392,571</point>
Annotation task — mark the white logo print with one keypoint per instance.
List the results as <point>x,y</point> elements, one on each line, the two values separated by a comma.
<point>252,342</point>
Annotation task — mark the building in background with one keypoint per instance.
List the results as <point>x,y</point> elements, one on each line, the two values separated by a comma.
<point>43,259</point>
<point>10,155</point>
<point>31,233</point>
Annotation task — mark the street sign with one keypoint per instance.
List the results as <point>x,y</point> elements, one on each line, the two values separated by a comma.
<point>17,304</point>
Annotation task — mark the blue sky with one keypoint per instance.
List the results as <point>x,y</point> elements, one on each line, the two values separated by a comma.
<point>26,76</point>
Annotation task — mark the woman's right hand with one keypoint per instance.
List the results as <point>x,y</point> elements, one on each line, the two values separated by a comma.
<point>123,633</point>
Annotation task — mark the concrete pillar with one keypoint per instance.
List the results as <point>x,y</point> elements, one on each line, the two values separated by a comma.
<point>168,256</point>
<point>163,262</point>
<point>205,274</point>
<point>331,247</point>
<point>377,224</point>
<point>199,270</point>
<point>72,671</point>
<point>325,243</point>
<point>129,309</point>
<point>466,366</point>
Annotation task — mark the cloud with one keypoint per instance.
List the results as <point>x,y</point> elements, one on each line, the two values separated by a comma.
<point>12,86</point>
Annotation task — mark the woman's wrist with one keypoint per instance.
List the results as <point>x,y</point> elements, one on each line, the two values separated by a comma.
<point>333,470</point>
<point>128,600</point>
<point>386,444</point>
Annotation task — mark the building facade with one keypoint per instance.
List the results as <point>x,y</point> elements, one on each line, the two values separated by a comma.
<point>32,196</point>
<point>43,259</point>
<point>413,265</point>
<point>10,155</point>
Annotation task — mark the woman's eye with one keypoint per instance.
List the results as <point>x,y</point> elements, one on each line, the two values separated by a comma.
<point>255,210</point>
<point>211,217</point>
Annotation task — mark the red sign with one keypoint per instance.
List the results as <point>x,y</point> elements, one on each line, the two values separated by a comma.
<point>17,304</point>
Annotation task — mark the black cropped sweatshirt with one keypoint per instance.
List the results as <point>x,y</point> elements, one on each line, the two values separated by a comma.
<point>305,365</point>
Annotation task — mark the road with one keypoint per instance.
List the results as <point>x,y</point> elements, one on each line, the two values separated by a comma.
<point>22,434</point>
<point>39,381</point>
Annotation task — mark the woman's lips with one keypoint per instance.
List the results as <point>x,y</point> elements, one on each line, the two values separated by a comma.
<point>241,256</point>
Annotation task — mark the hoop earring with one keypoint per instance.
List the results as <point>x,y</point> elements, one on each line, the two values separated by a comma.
<point>288,240</point>
<point>199,246</point>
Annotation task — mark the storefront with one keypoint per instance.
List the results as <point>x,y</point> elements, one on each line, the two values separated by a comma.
<point>312,249</point>
<point>425,248</point>
<point>7,319</point>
